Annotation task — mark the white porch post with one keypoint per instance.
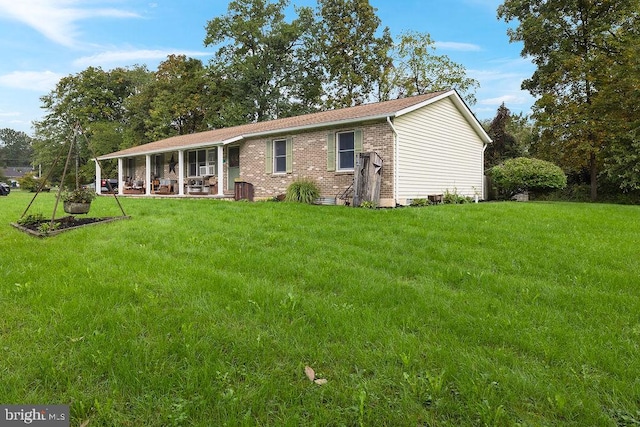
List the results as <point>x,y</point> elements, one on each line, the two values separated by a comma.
<point>147,173</point>
<point>98,177</point>
<point>120,181</point>
<point>220,170</point>
<point>181,173</point>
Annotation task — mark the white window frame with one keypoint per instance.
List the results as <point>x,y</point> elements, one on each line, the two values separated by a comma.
<point>203,166</point>
<point>282,156</point>
<point>339,167</point>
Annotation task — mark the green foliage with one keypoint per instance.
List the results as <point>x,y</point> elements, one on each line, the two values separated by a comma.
<point>86,106</point>
<point>175,102</point>
<point>420,202</point>
<point>353,56</point>
<point>30,182</point>
<point>453,198</point>
<point>15,148</point>
<point>504,145</point>
<point>584,52</point>
<point>367,204</point>
<point>302,191</point>
<point>46,227</point>
<point>525,174</point>
<point>259,61</point>
<point>31,219</point>
<point>418,70</point>
<point>79,195</point>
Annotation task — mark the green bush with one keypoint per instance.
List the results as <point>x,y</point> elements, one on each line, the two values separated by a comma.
<point>453,198</point>
<point>525,174</point>
<point>420,202</point>
<point>29,182</point>
<point>302,191</point>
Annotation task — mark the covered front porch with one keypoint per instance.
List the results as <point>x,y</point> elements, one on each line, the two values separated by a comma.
<point>206,171</point>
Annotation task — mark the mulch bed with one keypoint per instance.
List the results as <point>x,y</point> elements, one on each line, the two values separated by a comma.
<point>43,228</point>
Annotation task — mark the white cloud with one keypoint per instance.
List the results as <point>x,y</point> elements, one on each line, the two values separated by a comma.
<point>56,19</point>
<point>4,114</point>
<point>463,47</point>
<point>511,98</point>
<point>131,57</point>
<point>501,81</point>
<point>41,81</point>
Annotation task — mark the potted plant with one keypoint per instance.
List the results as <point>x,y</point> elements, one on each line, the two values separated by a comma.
<point>78,201</point>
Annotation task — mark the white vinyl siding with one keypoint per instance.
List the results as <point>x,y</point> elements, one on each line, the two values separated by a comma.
<point>438,150</point>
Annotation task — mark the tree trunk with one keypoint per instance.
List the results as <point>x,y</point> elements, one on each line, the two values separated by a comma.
<point>593,171</point>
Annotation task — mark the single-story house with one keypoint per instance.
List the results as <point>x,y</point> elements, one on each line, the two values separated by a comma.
<point>13,174</point>
<point>429,144</point>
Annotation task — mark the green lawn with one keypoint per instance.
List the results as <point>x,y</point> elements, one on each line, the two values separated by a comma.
<point>203,312</point>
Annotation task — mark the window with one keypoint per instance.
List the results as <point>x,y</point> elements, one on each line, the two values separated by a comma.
<point>158,165</point>
<point>342,149</point>
<point>131,168</point>
<point>280,156</point>
<point>346,150</point>
<point>202,162</point>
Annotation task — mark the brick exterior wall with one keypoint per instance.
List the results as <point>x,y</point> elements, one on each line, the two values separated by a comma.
<point>309,160</point>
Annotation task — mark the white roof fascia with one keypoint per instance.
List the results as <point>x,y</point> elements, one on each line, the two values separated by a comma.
<point>462,106</point>
<point>425,103</point>
<point>163,150</point>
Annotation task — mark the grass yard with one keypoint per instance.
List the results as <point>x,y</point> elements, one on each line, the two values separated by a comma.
<point>203,312</point>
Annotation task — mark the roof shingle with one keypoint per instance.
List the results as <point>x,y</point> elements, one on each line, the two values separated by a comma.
<point>320,119</point>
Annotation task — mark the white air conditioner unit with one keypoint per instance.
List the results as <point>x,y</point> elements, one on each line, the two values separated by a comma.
<point>211,169</point>
<point>203,171</point>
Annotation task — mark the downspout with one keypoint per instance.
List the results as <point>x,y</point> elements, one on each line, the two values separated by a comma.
<point>484,178</point>
<point>395,160</point>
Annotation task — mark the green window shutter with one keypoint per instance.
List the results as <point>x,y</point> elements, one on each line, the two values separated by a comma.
<point>357,142</point>
<point>331,152</point>
<point>268,161</point>
<point>289,155</point>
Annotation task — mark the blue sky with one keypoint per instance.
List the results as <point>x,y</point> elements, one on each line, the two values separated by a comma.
<point>42,41</point>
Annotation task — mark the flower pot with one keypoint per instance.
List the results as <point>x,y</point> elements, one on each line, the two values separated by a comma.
<point>76,208</point>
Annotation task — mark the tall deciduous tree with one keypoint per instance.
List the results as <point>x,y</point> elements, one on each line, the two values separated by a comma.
<point>93,101</point>
<point>619,107</point>
<point>355,59</point>
<point>258,61</point>
<point>177,98</point>
<point>572,45</point>
<point>419,70</point>
<point>15,148</point>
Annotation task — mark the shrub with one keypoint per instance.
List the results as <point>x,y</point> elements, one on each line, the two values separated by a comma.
<point>30,182</point>
<point>525,174</point>
<point>302,191</point>
<point>420,202</point>
<point>31,219</point>
<point>453,198</point>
